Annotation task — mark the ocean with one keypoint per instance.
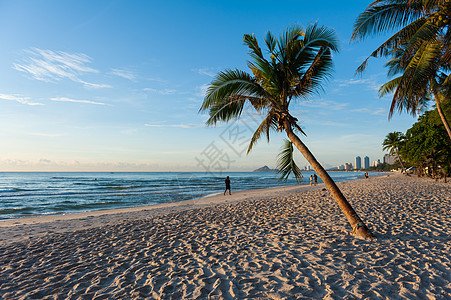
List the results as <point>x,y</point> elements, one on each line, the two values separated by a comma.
<point>43,193</point>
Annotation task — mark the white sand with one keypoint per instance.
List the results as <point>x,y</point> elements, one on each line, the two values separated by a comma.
<point>270,244</point>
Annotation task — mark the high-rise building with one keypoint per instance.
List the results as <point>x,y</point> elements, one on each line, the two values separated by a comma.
<point>358,163</point>
<point>376,163</point>
<point>366,162</point>
<point>389,159</point>
<point>348,166</point>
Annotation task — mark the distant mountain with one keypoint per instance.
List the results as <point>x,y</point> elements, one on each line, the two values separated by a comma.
<point>265,169</point>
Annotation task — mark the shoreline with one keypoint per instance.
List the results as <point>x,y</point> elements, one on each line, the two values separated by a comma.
<point>34,226</point>
<point>40,199</point>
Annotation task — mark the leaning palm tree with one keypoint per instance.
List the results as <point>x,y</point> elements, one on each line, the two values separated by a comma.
<point>421,50</point>
<point>299,62</point>
<point>393,143</point>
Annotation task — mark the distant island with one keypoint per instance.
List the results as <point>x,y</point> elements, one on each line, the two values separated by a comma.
<point>265,169</point>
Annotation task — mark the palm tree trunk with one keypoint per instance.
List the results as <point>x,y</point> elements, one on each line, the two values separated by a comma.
<point>362,230</point>
<point>442,115</point>
<point>400,161</point>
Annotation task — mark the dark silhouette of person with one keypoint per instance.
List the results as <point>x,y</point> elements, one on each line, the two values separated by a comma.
<point>227,183</point>
<point>315,179</point>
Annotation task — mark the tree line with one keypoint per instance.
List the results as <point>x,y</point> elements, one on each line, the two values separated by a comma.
<point>425,146</point>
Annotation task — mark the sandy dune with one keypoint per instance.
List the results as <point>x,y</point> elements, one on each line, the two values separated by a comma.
<point>283,244</point>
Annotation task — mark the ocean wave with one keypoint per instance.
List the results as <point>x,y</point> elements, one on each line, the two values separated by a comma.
<point>43,193</point>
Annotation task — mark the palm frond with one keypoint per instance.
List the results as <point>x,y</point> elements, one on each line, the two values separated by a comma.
<point>264,128</point>
<point>291,35</point>
<point>412,87</point>
<point>271,42</point>
<point>286,164</point>
<point>393,43</point>
<point>321,36</point>
<point>389,87</point>
<point>252,43</point>
<point>231,83</point>
<point>226,111</point>
<point>383,15</point>
<point>426,32</point>
<point>319,70</point>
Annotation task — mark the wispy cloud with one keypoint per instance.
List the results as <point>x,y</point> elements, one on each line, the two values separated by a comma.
<point>95,85</point>
<point>379,111</point>
<point>324,104</point>
<point>19,99</point>
<point>173,125</point>
<point>64,99</point>
<point>124,74</point>
<point>48,65</point>
<point>369,83</point>
<point>205,71</point>
<point>161,92</point>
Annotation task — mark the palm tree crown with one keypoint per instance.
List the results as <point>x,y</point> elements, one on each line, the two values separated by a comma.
<point>393,142</point>
<point>299,61</point>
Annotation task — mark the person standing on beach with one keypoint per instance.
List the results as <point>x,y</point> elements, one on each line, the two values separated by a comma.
<point>311,179</point>
<point>227,183</point>
<point>315,179</point>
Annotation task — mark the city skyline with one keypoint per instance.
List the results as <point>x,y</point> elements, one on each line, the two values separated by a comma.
<point>386,158</point>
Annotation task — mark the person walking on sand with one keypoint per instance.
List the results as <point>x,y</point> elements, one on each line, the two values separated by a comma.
<point>311,179</point>
<point>315,179</point>
<point>227,183</point>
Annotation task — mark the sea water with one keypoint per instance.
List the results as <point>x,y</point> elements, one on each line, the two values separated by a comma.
<point>42,193</point>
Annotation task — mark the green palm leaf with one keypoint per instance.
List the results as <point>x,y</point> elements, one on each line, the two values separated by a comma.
<point>268,124</point>
<point>286,164</point>
<point>252,43</point>
<point>389,87</point>
<point>319,70</point>
<point>384,15</point>
<point>271,42</point>
<point>394,42</point>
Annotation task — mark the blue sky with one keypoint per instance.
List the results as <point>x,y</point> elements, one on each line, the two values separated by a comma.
<point>117,85</point>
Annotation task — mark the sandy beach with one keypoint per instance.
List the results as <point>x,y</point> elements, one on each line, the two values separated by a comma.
<point>282,243</point>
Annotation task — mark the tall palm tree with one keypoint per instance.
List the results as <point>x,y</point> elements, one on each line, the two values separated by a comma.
<point>420,50</point>
<point>393,143</point>
<point>299,62</point>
